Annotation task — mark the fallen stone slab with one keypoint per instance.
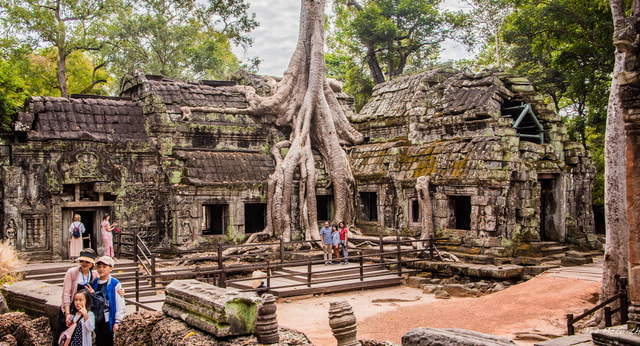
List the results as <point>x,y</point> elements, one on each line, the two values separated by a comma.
<point>502,272</point>
<point>451,336</point>
<point>416,281</point>
<point>219,311</point>
<point>570,261</point>
<point>457,290</point>
<point>36,298</point>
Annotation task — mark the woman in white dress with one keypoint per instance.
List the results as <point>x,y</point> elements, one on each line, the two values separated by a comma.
<point>75,243</point>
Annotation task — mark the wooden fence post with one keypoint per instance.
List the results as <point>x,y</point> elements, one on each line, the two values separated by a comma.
<point>219,256</point>
<point>570,330</point>
<point>399,253</point>
<point>624,303</point>
<point>381,250</point>
<point>268,274</point>
<point>361,265</point>
<point>607,316</point>
<point>153,270</point>
<point>281,250</point>
<point>135,246</point>
<point>223,277</point>
<point>309,273</point>
<point>137,289</point>
<point>432,245</point>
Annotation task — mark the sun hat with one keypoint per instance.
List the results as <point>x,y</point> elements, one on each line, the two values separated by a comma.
<point>106,260</point>
<point>87,257</point>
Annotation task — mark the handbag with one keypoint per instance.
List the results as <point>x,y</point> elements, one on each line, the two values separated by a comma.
<point>65,337</point>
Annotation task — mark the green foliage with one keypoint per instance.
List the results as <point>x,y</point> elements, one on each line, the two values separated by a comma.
<point>382,39</point>
<point>186,40</point>
<point>67,25</point>
<point>564,47</point>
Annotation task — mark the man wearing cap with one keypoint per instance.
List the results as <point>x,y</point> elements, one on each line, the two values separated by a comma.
<point>114,308</point>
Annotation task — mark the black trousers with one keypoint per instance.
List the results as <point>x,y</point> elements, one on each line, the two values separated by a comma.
<point>61,326</point>
<point>104,335</point>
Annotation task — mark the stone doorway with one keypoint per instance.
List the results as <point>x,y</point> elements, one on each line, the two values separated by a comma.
<point>91,218</point>
<point>552,221</point>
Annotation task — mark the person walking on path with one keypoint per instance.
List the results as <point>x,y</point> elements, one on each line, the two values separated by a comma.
<point>344,241</point>
<point>76,230</point>
<point>327,247</point>
<point>107,238</point>
<point>335,243</point>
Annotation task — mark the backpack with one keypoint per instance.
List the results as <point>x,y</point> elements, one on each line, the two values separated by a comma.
<point>76,231</point>
<point>97,305</point>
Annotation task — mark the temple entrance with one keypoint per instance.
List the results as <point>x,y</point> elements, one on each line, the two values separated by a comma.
<point>255,217</point>
<point>551,214</point>
<point>461,207</point>
<point>91,219</point>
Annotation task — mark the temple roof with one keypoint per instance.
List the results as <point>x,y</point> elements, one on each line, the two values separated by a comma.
<point>215,167</point>
<point>96,119</point>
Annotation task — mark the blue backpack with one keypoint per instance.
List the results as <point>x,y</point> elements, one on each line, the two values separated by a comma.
<point>98,302</point>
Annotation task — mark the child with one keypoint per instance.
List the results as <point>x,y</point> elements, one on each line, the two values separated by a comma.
<point>114,308</point>
<point>335,242</point>
<point>83,317</point>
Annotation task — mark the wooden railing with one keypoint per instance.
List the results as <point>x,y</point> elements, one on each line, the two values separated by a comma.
<point>623,308</point>
<point>218,274</point>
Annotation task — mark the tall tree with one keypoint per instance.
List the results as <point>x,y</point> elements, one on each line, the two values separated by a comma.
<point>305,102</point>
<point>394,34</point>
<point>616,256</point>
<point>180,39</point>
<point>488,18</point>
<point>67,25</point>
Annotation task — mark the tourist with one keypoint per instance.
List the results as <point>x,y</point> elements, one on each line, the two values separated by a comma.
<point>84,319</point>
<point>327,248</point>
<point>114,307</point>
<point>76,230</point>
<point>107,237</point>
<point>76,279</point>
<point>344,241</point>
<point>335,242</point>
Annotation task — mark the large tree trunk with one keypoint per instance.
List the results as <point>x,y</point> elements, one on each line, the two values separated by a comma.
<point>617,227</point>
<point>424,200</point>
<point>62,74</point>
<point>305,102</point>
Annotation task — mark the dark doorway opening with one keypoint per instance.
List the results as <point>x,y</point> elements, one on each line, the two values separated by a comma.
<point>548,231</point>
<point>323,206</point>
<point>414,210</point>
<point>255,217</point>
<point>369,206</point>
<point>88,217</point>
<point>215,219</point>
<point>462,211</point>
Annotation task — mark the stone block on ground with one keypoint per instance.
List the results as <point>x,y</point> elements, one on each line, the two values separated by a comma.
<point>8,340</point>
<point>451,336</point>
<point>3,305</point>
<point>218,311</point>
<point>136,328</point>
<point>415,281</point>
<point>569,261</point>
<point>36,298</point>
<point>9,322</point>
<point>526,261</point>
<point>456,290</point>
<point>441,294</point>
<point>35,332</point>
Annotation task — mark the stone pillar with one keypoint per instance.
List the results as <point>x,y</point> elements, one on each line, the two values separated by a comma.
<point>266,330</point>
<point>343,323</point>
<point>632,130</point>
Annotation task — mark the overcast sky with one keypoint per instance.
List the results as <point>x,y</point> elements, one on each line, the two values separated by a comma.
<point>277,35</point>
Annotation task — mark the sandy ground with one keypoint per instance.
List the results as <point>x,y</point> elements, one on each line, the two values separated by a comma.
<point>538,306</point>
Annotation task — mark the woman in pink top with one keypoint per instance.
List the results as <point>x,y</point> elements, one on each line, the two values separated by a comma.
<point>344,241</point>
<point>76,278</point>
<point>107,238</point>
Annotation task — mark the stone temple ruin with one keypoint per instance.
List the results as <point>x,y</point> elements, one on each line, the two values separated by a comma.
<point>500,163</point>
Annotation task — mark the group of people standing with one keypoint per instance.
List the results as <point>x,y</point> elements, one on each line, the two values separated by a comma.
<point>335,239</point>
<point>77,230</point>
<point>92,302</point>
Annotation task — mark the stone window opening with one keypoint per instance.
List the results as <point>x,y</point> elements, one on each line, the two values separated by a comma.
<point>323,207</point>
<point>415,216</point>
<point>368,206</point>
<point>461,207</point>
<point>525,122</point>
<point>215,219</point>
<point>35,227</point>
<point>255,217</point>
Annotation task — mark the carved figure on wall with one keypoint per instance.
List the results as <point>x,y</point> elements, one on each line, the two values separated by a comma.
<point>10,232</point>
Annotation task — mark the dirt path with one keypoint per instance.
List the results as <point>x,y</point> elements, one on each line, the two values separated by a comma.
<point>537,306</point>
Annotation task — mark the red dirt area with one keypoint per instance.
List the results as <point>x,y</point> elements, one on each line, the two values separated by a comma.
<point>533,308</point>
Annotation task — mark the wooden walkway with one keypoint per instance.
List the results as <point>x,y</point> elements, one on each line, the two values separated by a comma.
<point>296,281</point>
